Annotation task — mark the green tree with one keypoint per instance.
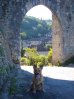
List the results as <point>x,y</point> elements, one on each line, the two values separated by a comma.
<point>32,27</point>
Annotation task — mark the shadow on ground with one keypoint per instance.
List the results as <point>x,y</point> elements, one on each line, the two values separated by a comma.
<point>54,88</point>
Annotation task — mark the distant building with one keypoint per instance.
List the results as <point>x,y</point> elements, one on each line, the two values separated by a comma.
<point>38,43</point>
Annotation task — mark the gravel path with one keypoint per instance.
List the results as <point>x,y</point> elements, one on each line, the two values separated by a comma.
<point>58,83</point>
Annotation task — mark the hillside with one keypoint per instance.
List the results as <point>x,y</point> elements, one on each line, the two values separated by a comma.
<point>34,28</point>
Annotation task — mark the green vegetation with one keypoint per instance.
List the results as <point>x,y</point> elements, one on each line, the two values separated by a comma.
<point>34,28</point>
<point>69,61</point>
<point>50,55</point>
<point>66,63</point>
<point>31,57</point>
<point>25,61</point>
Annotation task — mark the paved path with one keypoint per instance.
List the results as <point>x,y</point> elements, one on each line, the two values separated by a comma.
<point>62,73</point>
<point>58,83</point>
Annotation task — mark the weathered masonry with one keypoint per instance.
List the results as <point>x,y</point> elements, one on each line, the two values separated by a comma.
<point>11,16</point>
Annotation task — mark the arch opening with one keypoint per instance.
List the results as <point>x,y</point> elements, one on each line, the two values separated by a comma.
<point>56,34</point>
<point>36,33</point>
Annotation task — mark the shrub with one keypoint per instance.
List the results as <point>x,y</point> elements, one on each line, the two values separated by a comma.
<point>43,60</point>
<point>50,55</point>
<point>25,61</point>
<point>32,55</point>
<point>33,58</point>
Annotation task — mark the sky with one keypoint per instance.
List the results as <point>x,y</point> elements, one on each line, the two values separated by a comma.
<point>40,12</point>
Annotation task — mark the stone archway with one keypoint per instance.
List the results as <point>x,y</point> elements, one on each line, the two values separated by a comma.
<point>57,43</point>
<point>11,16</point>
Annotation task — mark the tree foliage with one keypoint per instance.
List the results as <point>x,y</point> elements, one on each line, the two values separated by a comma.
<point>33,58</point>
<point>34,28</point>
<point>50,55</point>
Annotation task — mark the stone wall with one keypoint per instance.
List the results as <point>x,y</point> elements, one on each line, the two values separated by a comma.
<point>63,31</point>
<point>67,20</point>
<point>57,43</point>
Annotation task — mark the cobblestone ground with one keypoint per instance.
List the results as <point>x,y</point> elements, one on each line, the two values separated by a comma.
<point>58,83</point>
